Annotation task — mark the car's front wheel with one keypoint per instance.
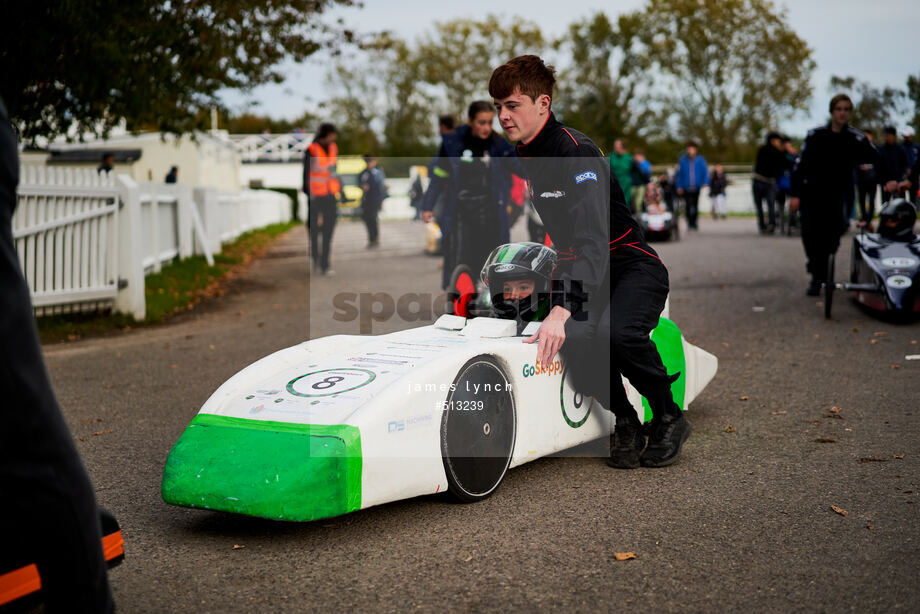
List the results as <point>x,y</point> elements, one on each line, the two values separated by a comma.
<point>478,429</point>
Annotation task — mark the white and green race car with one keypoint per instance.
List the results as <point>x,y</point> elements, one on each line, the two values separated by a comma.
<point>343,423</point>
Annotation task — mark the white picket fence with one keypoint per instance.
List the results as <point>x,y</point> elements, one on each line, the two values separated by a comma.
<point>87,240</point>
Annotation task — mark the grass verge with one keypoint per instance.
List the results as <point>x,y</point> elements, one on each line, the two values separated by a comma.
<point>178,287</point>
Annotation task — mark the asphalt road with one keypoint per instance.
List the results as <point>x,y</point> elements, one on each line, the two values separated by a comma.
<point>742,523</point>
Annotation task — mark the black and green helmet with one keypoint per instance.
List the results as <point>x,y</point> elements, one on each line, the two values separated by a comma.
<point>517,261</point>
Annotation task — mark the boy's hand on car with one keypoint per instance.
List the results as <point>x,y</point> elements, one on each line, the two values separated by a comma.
<point>551,334</point>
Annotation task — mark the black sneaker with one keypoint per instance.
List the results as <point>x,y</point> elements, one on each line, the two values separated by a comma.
<point>666,437</point>
<point>626,444</point>
<point>814,288</point>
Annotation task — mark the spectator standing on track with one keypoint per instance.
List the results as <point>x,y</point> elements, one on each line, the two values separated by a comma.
<point>621,164</point>
<point>910,148</point>
<point>894,166</point>
<point>373,183</point>
<point>768,169</point>
<point>821,183</point>
<point>323,189</point>
<point>640,174</point>
<point>718,181</point>
<point>866,187</point>
<point>473,172</point>
<point>692,175</point>
<point>48,512</point>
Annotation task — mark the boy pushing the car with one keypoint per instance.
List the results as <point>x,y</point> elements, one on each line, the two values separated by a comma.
<point>613,284</point>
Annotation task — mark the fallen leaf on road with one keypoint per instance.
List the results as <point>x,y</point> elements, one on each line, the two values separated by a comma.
<point>91,421</point>
<point>575,486</point>
<point>872,459</point>
<point>840,511</point>
<point>895,366</point>
<point>913,342</point>
<point>848,429</point>
<point>870,527</point>
<point>838,416</point>
<point>729,429</point>
<point>817,336</point>
<point>173,366</point>
<point>879,334</point>
<point>898,455</point>
<point>855,330</point>
<point>873,341</point>
<point>238,547</point>
<point>726,345</point>
<point>624,556</point>
<point>211,347</point>
<point>825,440</point>
<point>834,410</point>
<point>103,432</point>
<point>745,398</point>
<point>781,412</point>
<point>468,559</point>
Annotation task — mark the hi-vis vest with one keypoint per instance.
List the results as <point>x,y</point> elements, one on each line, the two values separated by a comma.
<point>322,166</point>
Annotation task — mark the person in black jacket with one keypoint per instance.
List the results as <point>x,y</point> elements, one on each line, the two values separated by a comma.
<point>866,187</point>
<point>610,286</point>
<point>473,172</point>
<point>769,167</point>
<point>822,186</point>
<point>894,164</point>
<point>48,512</point>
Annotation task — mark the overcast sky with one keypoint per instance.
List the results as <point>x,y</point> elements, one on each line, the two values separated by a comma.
<point>874,40</point>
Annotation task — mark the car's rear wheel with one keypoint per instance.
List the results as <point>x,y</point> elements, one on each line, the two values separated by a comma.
<point>478,429</point>
<point>829,287</point>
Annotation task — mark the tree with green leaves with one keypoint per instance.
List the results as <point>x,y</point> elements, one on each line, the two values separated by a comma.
<point>873,108</point>
<point>378,105</point>
<point>913,94</point>
<point>599,92</point>
<point>457,58</point>
<point>74,66</point>
<point>727,70</point>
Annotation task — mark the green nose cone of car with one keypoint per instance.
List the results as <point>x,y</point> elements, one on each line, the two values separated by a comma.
<point>274,470</point>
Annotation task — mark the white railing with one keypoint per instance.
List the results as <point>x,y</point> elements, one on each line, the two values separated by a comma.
<point>270,147</point>
<point>86,240</point>
<point>65,229</point>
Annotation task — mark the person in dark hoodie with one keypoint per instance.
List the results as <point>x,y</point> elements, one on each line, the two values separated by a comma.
<point>768,169</point>
<point>473,170</point>
<point>894,163</point>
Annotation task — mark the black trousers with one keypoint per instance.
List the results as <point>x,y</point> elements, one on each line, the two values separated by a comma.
<point>821,232</point>
<point>614,340</point>
<point>48,513</point>
<point>369,213</point>
<point>324,207</point>
<point>764,194</point>
<point>692,202</point>
<point>866,193</point>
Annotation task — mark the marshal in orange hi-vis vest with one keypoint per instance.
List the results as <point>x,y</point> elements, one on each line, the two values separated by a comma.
<point>322,167</point>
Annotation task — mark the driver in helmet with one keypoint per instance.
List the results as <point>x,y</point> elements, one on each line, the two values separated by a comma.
<point>519,277</point>
<point>897,219</point>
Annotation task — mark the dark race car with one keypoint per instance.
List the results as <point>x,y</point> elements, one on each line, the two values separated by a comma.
<point>884,266</point>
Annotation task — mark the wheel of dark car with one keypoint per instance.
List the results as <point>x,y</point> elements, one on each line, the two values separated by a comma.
<point>829,287</point>
<point>478,428</point>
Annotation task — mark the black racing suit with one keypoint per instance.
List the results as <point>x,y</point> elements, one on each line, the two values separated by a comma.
<point>823,181</point>
<point>608,277</point>
<point>48,513</point>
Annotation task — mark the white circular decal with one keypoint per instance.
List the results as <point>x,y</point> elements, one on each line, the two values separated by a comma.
<point>899,263</point>
<point>898,282</point>
<point>328,382</point>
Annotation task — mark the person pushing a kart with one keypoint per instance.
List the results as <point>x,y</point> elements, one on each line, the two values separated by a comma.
<point>612,285</point>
